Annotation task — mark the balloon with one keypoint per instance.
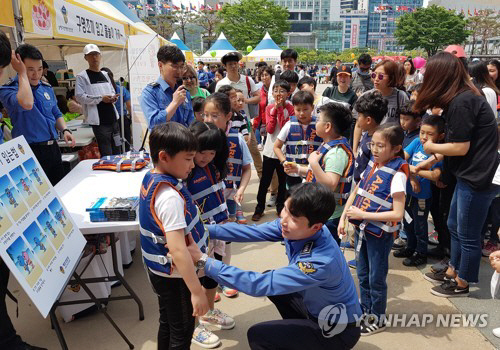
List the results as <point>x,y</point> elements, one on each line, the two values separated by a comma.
<point>249,48</point>
<point>419,62</point>
<point>353,55</point>
<point>213,53</point>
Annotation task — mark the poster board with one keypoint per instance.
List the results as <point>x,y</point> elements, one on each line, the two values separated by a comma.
<point>39,241</point>
<point>142,50</point>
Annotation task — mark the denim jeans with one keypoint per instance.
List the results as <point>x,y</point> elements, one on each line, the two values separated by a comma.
<point>372,268</point>
<point>468,212</point>
<point>257,136</point>
<point>416,231</point>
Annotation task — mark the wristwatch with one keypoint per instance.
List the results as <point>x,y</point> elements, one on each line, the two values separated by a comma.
<point>200,264</point>
<point>64,130</point>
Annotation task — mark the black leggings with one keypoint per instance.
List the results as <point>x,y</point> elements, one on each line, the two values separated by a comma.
<point>176,312</point>
<point>207,282</point>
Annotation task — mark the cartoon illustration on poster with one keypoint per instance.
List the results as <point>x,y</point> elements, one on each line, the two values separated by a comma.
<point>5,222</point>
<point>39,243</point>
<point>24,185</point>
<point>36,176</point>
<point>51,228</point>
<point>24,260</point>
<point>58,212</point>
<point>11,198</point>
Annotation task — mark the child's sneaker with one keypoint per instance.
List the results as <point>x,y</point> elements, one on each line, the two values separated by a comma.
<point>416,259</point>
<point>450,289</point>
<point>370,327</point>
<point>240,218</point>
<point>204,338</point>
<point>489,248</point>
<point>218,319</point>
<point>352,263</point>
<point>217,297</point>
<point>229,292</point>
<point>433,238</point>
<point>399,243</point>
<point>437,277</point>
<point>271,202</point>
<point>403,253</point>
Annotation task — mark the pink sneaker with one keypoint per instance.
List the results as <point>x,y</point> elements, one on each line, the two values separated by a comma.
<point>489,248</point>
<point>240,218</point>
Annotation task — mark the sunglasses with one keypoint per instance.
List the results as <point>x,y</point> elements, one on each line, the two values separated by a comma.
<point>380,76</point>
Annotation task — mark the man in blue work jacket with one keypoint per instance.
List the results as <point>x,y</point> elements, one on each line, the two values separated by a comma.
<point>315,294</point>
<point>35,114</point>
<point>166,99</point>
<point>203,77</point>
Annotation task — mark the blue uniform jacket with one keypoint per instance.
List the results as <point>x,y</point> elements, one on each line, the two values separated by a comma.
<point>317,269</point>
<point>37,124</point>
<point>203,78</point>
<point>154,101</point>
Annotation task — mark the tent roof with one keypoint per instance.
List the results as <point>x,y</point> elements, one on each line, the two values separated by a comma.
<point>266,48</point>
<point>180,44</point>
<point>267,43</point>
<point>221,44</point>
<point>120,6</point>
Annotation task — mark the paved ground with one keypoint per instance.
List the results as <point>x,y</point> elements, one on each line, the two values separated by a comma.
<point>408,294</point>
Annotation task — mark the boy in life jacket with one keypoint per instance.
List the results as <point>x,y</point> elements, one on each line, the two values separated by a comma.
<point>298,135</point>
<point>206,185</point>
<point>333,163</point>
<point>375,208</point>
<point>167,215</point>
<point>218,111</point>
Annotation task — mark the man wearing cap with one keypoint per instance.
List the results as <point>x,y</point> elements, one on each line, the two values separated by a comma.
<point>97,95</point>
<point>166,99</point>
<point>32,106</point>
<point>203,77</point>
<point>459,52</point>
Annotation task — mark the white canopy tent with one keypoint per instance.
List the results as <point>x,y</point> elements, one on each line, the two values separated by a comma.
<point>221,47</point>
<point>265,51</point>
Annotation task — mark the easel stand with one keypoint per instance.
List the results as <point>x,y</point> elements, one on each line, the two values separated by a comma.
<point>99,302</point>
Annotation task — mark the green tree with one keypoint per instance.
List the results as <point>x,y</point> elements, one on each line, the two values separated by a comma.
<point>245,23</point>
<point>431,28</point>
<point>182,19</point>
<point>162,24</point>
<point>485,25</point>
<point>209,21</point>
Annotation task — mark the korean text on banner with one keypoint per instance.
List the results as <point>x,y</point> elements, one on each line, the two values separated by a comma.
<point>142,50</point>
<point>39,242</point>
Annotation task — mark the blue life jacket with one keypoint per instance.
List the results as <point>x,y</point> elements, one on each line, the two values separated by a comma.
<point>374,195</point>
<point>153,237</point>
<point>208,194</point>
<point>298,145</point>
<point>235,160</point>
<point>344,186</point>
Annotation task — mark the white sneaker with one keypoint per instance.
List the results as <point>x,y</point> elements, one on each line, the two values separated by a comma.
<point>496,332</point>
<point>218,319</point>
<point>272,200</point>
<point>204,338</point>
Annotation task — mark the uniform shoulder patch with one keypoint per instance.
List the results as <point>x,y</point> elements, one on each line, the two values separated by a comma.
<point>153,84</point>
<point>10,82</point>
<point>306,267</point>
<point>307,249</point>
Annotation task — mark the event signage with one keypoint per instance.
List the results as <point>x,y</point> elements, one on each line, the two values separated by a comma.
<point>142,50</point>
<point>39,242</point>
<point>78,22</point>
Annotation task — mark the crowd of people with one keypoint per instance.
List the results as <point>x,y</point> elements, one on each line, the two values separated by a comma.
<point>359,166</point>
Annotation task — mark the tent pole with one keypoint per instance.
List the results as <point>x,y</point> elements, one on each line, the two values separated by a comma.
<point>17,31</point>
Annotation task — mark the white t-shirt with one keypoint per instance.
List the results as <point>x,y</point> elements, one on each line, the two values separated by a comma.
<point>240,85</point>
<point>491,97</point>
<point>169,208</point>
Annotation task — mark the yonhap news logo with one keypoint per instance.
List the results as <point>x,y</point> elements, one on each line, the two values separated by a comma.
<point>332,320</point>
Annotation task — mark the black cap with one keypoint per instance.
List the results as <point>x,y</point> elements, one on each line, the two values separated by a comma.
<point>234,56</point>
<point>344,69</point>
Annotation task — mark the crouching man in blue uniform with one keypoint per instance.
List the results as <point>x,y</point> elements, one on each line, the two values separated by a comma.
<point>315,294</point>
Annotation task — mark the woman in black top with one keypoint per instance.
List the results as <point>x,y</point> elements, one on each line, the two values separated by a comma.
<point>471,155</point>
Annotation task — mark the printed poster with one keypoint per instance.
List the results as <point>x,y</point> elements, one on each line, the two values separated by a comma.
<point>39,241</point>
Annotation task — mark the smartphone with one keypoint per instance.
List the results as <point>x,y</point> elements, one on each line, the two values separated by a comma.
<point>179,83</point>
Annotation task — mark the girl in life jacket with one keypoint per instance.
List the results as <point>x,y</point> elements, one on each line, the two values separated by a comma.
<point>376,208</point>
<point>206,185</point>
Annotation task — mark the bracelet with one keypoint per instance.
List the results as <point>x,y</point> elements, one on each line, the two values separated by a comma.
<point>64,130</point>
